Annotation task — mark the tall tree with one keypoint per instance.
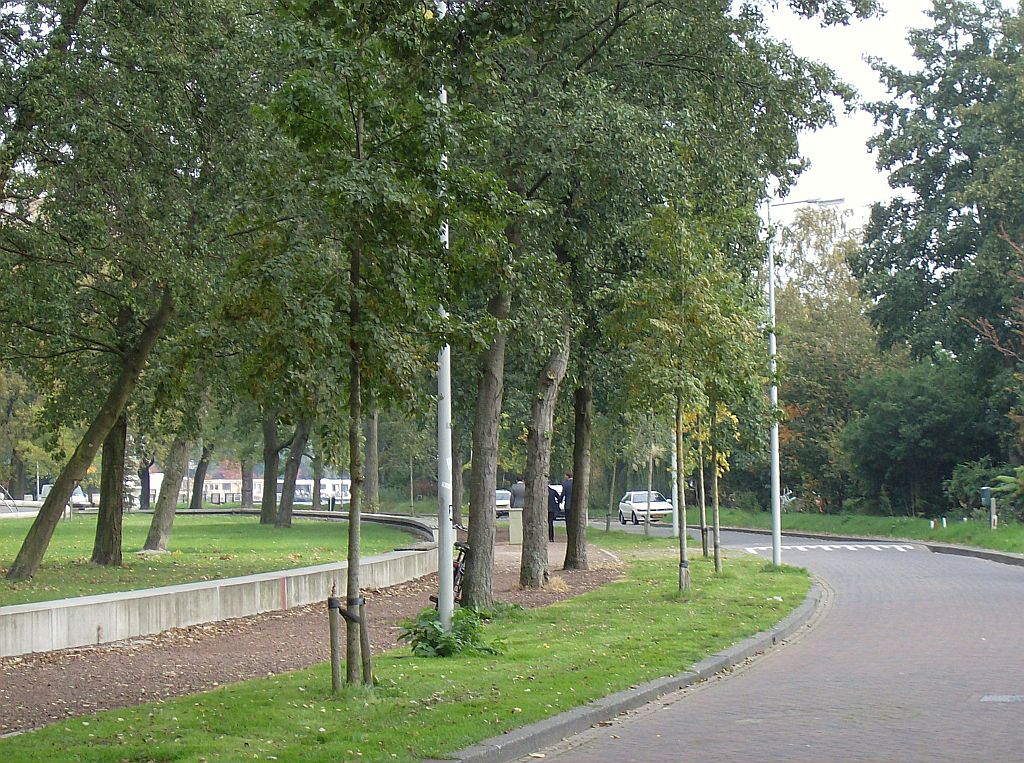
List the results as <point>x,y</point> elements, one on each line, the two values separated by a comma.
<point>112,198</point>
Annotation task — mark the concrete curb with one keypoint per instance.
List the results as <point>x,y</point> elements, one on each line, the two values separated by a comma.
<point>520,742</point>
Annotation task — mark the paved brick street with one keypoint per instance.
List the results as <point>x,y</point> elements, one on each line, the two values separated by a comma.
<point>916,657</point>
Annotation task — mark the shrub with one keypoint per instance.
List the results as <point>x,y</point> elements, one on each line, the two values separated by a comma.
<point>428,638</point>
<point>963,489</point>
<point>1010,488</point>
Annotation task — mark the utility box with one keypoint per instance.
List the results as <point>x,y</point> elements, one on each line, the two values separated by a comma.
<point>515,527</point>
<point>986,497</point>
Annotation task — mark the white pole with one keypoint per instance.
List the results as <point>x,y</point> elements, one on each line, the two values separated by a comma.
<point>445,582</point>
<point>773,397</point>
<point>675,488</point>
<point>773,394</point>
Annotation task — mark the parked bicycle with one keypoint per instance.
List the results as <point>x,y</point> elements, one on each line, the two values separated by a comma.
<point>458,571</point>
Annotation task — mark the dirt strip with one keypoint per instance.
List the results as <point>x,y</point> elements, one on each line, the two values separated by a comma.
<point>37,689</point>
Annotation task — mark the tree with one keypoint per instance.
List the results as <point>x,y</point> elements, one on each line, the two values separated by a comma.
<point>112,202</point>
<point>915,424</point>
<point>826,345</point>
<point>933,264</point>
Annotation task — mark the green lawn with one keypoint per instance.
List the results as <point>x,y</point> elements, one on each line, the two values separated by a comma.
<point>557,657</point>
<point>202,548</point>
<point>1007,537</point>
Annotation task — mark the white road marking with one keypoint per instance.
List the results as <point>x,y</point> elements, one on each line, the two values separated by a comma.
<point>901,547</point>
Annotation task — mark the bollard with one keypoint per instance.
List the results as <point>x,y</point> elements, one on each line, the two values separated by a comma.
<point>334,611</point>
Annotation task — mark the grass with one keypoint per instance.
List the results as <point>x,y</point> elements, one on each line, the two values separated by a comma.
<point>202,548</point>
<point>1007,537</point>
<point>557,657</point>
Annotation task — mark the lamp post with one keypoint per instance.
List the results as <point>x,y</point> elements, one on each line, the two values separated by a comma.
<point>445,581</point>
<point>773,393</point>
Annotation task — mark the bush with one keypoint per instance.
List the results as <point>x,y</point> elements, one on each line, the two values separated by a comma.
<point>963,489</point>
<point>1010,488</point>
<point>746,500</point>
<point>428,639</point>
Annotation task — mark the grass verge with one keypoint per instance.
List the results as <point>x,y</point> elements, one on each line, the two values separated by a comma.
<point>202,548</point>
<point>557,658</point>
<point>1007,537</point>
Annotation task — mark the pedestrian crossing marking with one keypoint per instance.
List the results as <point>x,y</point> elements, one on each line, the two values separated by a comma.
<point>901,547</point>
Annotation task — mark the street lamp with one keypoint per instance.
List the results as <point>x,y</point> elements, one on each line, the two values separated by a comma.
<point>445,582</point>
<point>773,394</point>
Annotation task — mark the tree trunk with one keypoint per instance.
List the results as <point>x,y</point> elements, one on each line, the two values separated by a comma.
<point>354,657</point>
<point>577,514</point>
<point>175,466</point>
<point>714,492</point>
<point>684,561</point>
<point>145,483</point>
<point>318,475</point>
<point>19,480</point>
<point>199,478</point>
<point>703,500</point>
<point>353,644</point>
<point>458,482</point>
<point>611,496</point>
<point>291,471</point>
<point>533,567</point>
<point>106,548</point>
<point>372,457</point>
<point>34,546</point>
<point>271,464</point>
<point>478,583</point>
<point>246,497</point>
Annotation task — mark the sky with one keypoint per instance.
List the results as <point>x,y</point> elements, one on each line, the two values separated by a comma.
<point>841,165</point>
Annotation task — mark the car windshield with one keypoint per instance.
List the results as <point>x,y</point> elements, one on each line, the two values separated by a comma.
<point>641,497</point>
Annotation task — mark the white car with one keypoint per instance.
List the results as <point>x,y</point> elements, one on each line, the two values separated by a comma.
<point>502,501</point>
<point>634,506</point>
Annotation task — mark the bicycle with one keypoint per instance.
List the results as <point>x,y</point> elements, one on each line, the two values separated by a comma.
<point>458,572</point>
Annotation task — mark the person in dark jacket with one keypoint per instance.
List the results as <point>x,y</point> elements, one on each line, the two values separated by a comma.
<point>554,499</point>
<point>567,495</point>
<point>518,490</point>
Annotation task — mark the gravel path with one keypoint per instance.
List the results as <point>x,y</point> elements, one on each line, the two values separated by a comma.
<point>38,689</point>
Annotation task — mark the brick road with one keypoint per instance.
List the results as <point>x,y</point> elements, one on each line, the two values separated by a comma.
<point>917,657</point>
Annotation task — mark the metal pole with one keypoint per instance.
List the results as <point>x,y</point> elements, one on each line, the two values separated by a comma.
<point>445,582</point>
<point>773,397</point>
<point>773,394</point>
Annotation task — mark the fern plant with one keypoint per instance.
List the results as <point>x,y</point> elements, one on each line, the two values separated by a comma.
<point>429,639</point>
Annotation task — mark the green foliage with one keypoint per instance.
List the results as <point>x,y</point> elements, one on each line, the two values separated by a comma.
<point>826,344</point>
<point>428,638</point>
<point>1010,487</point>
<point>934,262</point>
<point>559,657</point>
<point>915,424</point>
<point>963,489</point>
<point>202,548</point>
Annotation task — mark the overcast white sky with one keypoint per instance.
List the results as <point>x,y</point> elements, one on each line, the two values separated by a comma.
<point>841,165</point>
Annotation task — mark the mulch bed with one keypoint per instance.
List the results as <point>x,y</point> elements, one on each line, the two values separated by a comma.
<point>37,689</point>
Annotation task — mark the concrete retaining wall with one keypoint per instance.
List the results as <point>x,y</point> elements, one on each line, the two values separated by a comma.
<point>48,625</point>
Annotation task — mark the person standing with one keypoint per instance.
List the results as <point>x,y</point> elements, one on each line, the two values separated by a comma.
<point>518,491</point>
<point>554,499</point>
<point>567,495</point>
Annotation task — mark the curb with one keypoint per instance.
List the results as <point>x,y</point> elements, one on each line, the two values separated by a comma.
<point>520,742</point>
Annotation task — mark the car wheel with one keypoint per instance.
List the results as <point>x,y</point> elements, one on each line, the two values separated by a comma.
<point>622,518</point>
<point>636,519</point>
